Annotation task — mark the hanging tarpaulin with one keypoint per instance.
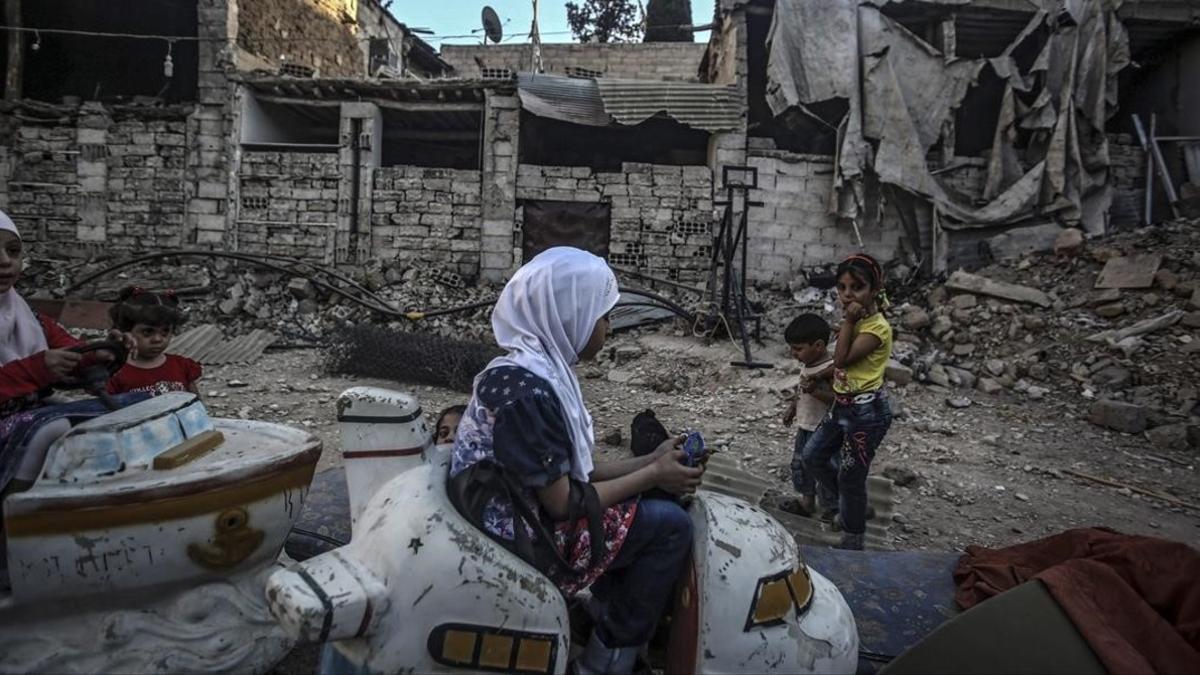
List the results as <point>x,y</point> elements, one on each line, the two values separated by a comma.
<point>901,92</point>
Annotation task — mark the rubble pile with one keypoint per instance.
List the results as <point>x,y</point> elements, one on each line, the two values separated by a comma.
<point>241,297</point>
<point>1038,328</point>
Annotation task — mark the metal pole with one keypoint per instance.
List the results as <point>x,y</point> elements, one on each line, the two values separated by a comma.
<point>1168,187</point>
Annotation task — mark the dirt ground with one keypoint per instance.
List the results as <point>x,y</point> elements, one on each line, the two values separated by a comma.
<point>990,474</point>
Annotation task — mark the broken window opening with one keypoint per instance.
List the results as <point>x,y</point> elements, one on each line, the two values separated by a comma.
<point>287,127</point>
<point>812,132</point>
<point>976,118</point>
<point>658,140</point>
<point>57,66</point>
<point>443,140</point>
<point>982,32</point>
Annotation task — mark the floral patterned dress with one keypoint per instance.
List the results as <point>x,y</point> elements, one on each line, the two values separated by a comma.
<point>515,420</point>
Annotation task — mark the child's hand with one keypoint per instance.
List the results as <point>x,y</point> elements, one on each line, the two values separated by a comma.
<point>60,362</point>
<point>854,312</point>
<point>667,446</point>
<point>789,415</point>
<point>125,339</point>
<point>672,475</point>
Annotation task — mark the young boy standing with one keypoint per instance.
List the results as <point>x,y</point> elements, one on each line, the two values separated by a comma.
<point>807,337</point>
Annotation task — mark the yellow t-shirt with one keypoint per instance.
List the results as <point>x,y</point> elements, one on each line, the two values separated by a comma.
<point>866,375</point>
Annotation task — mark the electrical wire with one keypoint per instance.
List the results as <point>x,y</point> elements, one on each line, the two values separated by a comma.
<point>38,31</point>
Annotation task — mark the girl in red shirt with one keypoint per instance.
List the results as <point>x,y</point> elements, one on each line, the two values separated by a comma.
<point>151,319</point>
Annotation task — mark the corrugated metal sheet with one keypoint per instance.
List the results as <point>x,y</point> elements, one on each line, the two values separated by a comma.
<point>724,476</point>
<point>602,102</point>
<point>710,107</point>
<point>208,345</point>
<point>567,99</point>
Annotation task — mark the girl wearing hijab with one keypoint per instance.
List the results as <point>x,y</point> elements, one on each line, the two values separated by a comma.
<point>522,469</point>
<point>34,354</point>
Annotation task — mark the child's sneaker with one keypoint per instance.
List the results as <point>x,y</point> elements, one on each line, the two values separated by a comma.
<point>804,505</point>
<point>851,542</point>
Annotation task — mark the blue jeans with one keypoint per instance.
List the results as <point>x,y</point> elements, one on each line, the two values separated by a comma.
<point>802,480</point>
<point>855,430</point>
<point>633,593</point>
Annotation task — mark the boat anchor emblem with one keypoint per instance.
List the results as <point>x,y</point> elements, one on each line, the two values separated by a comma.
<point>233,542</point>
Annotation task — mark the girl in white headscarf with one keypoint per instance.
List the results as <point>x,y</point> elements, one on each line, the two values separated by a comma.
<point>34,354</point>
<point>523,454</point>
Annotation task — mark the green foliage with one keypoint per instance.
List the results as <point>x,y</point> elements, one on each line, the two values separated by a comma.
<point>604,21</point>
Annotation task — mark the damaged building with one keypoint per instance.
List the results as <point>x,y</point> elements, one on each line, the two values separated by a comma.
<point>936,132</point>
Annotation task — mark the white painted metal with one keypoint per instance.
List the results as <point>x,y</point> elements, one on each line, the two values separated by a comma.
<point>735,545</point>
<point>126,596</point>
<point>437,569</point>
<point>400,430</point>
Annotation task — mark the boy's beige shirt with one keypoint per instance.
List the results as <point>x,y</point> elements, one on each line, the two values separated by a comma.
<point>809,409</point>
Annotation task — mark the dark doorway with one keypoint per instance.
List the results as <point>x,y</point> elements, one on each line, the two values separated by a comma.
<point>552,223</point>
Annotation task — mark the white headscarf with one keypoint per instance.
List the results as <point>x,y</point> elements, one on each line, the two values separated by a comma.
<point>544,318</point>
<point>21,334</point>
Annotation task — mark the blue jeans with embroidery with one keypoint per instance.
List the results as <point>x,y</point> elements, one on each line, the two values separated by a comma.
<point>854,430</point>
<point>802,480</point>
<point>633,593</point>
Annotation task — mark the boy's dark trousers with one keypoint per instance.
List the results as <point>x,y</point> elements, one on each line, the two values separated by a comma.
<point>802,480</point>
<point>856,430</point>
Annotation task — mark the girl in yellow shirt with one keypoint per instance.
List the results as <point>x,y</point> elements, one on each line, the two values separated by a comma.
<point>861,415</point>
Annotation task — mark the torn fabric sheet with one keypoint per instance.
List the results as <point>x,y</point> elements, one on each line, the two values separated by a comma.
<point>812,55</point>
<point>822,49</point>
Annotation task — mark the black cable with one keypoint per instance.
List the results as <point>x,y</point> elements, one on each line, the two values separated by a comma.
<point>337,543</point>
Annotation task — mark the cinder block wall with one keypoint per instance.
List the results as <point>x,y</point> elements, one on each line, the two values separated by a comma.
<point>289,203</point>
<point>662,216</point>
<point>678,61</point>
<point>427,216</point>
<point>794,229</point>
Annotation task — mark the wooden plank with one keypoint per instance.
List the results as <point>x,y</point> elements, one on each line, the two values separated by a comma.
<point>1136,271</point>
<point>965,282</point>
<point>192,449</point>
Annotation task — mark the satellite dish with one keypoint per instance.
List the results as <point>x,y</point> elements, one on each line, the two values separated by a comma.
<point>491,25</point>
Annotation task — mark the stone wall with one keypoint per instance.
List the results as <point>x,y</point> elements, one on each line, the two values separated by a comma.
<point>117,182</point>
<point>679,61</point>
<point>794,229</point>
<point>289,204</point>
<point>423,215</point>
<point>317,34</point>
<point>146,183</point>
<point>662,216</point>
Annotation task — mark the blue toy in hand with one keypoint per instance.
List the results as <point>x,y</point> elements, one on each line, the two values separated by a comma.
<point>693,448</point>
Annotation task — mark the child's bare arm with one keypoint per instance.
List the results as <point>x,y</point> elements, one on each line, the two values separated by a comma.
<point>851,349</point>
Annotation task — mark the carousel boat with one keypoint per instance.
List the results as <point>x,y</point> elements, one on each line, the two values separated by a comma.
<point>145,544</point>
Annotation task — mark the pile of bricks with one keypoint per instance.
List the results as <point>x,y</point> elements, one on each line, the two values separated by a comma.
<point>427,215</point>
<point>289,203</point>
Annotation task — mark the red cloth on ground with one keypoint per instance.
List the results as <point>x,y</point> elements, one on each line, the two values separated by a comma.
<point>175,374</point>
<point>1136,600</point>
